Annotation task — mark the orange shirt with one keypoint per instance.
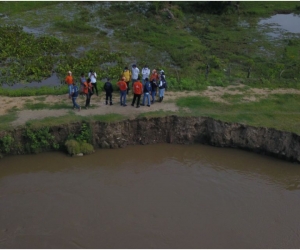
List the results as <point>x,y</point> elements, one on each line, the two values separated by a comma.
<point>122,85</point>
<point>138,88</point>
<point>86,87</point>
<point>154,76</point>
<point>69,80</point>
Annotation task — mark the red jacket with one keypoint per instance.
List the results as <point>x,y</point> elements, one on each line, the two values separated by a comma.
<point>122,85</point>
<point>138,88</point>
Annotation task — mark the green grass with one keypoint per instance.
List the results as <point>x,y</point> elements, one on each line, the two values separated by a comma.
<point>71,117</point>
<point>72,26</point>
<point>13,7</point>
<point>7,119</point>
<point>278,111</point>
<point>34,91</point>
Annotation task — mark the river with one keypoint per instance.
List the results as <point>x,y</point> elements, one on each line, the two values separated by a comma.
<point>154,196</point>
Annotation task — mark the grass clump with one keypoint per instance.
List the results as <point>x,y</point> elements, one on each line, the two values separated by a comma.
<point>86,148</point>
<point>76,25</point>
<point>73,147</point>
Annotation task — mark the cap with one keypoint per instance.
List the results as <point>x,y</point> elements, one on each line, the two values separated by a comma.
<point>69,72</point>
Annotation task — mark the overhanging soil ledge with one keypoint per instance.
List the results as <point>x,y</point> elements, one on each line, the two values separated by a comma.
<point>172,129</point>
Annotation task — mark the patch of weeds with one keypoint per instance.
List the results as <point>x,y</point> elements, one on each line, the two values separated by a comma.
<point>73,147</point>
<point>40,98</point>
<point>233,99</point>
<point>54,121</point>
<point>6,143</point>
<point>76,25</point>
<point>14,109</point>
<point>39,140</point>
<point>41,105</point>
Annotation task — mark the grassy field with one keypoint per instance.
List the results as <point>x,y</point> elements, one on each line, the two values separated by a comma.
<point>277,111</point>
<point>229,42</point>
<point>109,36</point>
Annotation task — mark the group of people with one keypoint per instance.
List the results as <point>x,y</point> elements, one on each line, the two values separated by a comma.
<point>148,84</point>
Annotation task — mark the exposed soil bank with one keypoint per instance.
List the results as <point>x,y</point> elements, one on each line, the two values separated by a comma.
<point>178,130</point>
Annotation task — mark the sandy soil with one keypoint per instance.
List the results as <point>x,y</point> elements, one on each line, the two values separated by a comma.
<point>99,107</point>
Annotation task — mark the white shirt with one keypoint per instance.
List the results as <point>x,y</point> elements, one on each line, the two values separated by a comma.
<point>145,73</point>
<point>135,73</point>
<point>93,77</point>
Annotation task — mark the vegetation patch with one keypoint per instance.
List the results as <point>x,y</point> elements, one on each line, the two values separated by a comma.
<point>39,140</point>
<point>277,111</point>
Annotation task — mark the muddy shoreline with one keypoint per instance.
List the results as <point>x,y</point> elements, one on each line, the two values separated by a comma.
<point>175,130</point>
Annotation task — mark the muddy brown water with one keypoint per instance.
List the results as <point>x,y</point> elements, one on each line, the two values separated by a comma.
<point>156,196</point>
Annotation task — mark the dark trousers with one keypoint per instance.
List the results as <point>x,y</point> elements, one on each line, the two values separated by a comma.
<point>88,100</point>
<point>95,87</point>
<point>108,95</point>
<point>128,88</point>
<point>138,96</point>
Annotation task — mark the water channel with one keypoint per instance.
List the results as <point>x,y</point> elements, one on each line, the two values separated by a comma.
<point>154,196</point>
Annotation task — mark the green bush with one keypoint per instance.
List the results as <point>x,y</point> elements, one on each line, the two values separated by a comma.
<point>86,148</point>
<point>73,147</point>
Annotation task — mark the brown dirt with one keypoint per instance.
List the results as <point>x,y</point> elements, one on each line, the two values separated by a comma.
<point>99,107</point>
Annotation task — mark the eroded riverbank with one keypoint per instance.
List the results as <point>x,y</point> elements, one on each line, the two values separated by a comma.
<point>174,130</point>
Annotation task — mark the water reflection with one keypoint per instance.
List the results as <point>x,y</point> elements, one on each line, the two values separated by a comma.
<point>52,81</point>
<point>140,159</point>
<point>282,23</point>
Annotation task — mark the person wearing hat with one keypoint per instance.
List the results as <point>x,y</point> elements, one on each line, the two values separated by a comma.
<point>93,76</point>
<point>134,73</point>
<point>145,74</point>
<point>162,86</point>
<point>123,91</point>
<point>127,74</point>
<point>154,76</point>
<point>69,80</point>
<point>153,90</point>
<point>108,91</point>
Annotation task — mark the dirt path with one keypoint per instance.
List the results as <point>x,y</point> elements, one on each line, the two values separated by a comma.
<point>99,107</point>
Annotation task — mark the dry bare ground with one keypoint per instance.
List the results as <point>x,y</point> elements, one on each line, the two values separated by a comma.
<point>99,107</point>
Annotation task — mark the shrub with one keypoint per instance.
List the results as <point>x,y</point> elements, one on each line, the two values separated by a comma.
<point>86,148</point>
<point>73,147</point>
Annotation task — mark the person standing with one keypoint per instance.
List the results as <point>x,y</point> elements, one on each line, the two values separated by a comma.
<point>69,80</point>
<point>108,91</point>
<point>162,86</point>
<point>147,92</point>
<point>93,76</point>
<point>137,91</point>
<point>134,73</point>
<point>127,74</point>
<point>123,91</point>
<point>153,90</point>
<point>74,94</point>
<point>88,91</point>
<point>82,81</point>
<point>145,74</point>
<point>154,76</point>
